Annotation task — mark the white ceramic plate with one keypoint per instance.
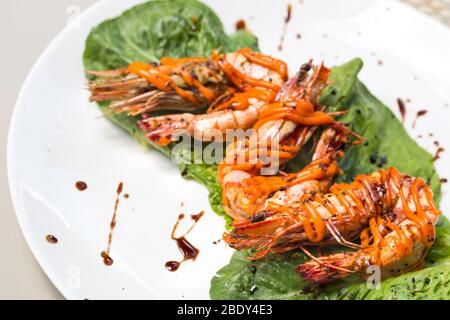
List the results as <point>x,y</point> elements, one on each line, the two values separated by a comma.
<point>57,138</point>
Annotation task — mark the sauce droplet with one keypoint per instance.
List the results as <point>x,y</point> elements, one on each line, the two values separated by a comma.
<point>240,25</point>
<point>51,239</point>
<point>126,196</point>
<point>107,260</point>
<point>444,180</point>
<point>172,266</point>
<point>419,114</point>
<point>81,186</point>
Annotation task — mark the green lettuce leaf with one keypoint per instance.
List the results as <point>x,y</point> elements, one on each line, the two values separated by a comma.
<point>154,29</point>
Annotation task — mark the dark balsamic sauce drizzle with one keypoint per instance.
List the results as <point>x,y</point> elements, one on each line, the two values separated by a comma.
<point>51,239</point>
<point>81,186</point>
<point>437,155</point>
<point>186,248</point>
<point>402,108</point>
<point>197,217</point>
<point>439,150</point>
<point>107,260</point>
<point>287,19</point>
<point>172,266</point>
<point>419,114</point>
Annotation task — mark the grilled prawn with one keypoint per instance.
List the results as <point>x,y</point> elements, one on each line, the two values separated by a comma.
<point>400,231</point>
<point>182,84</point>
<point>393,213</point>
<point>186,84</point>
<point>282,129</point>
<point>253,194</point>
<point>255,80</point>
<point>204,127</point>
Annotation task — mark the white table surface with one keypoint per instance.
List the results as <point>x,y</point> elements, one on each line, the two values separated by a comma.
<point>26,27</point>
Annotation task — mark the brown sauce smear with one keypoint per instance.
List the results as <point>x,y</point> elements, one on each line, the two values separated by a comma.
<point>419,114</point>
<point>51,239</point>
<point>287,19</point>
<point>197,217</point>
<point>402,109</point>
<point>107,260</point>
<point>437,155</point>
<point>189,251</point>
<point>288,14</point>
<point>81,186</point>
